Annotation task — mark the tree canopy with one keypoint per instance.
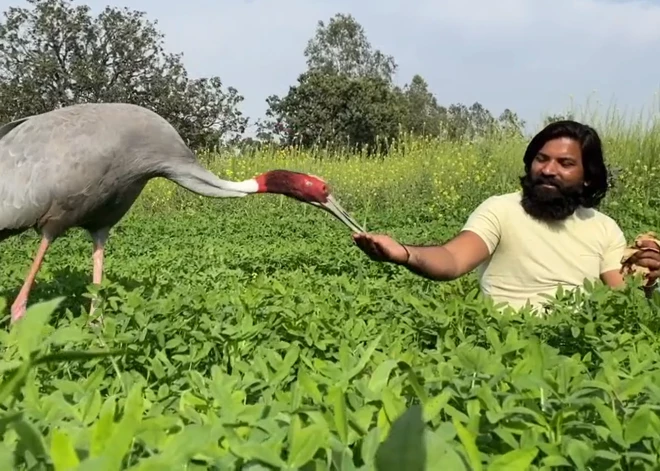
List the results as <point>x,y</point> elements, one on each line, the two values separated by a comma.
<point>342,48</point>
<point>347,96</point>
<point>54,54</point>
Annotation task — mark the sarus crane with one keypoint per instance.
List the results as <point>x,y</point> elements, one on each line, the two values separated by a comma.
<point>85,165</point>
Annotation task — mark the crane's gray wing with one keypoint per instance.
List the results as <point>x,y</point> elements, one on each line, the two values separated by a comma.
<point>24,185</point>
<point>41,163</point>
<point>73,159</point>
<point>5,128</point>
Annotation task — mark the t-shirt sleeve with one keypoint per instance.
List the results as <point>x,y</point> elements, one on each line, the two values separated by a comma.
<point>614,248</point>
<point>486,222</point>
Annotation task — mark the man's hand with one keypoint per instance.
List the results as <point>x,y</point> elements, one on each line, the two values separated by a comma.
<point>381,248</point>
<point>644,258</point>
<point>649,258</point>
<point>436,262</point>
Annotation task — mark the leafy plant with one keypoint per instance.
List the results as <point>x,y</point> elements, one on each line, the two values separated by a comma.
<point>252,334</point>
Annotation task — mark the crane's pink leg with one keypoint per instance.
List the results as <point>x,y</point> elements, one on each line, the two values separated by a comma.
<point>99,239</point>
<point>20,304</point>
<point>97,277</point>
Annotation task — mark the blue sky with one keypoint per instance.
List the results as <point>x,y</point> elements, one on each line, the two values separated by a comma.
<point>533,56</point>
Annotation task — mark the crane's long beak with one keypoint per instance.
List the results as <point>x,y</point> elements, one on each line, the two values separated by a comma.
<point>333,207</point>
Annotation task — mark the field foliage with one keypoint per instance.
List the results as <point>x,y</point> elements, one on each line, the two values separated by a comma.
<point>252,334</point>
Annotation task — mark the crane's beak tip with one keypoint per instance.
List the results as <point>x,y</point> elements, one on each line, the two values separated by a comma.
<point>333,207</point>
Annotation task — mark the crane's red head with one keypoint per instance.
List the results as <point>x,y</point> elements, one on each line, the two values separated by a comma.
<point>303,187</point>
<point>307,188</point>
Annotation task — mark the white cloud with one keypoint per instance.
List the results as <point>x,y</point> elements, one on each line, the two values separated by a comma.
<point>528,55</point>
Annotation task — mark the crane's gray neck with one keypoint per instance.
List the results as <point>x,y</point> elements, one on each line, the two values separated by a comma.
<point>197,179</point>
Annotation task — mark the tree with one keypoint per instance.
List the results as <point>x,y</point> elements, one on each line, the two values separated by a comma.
<point>328,109</point>
<point>55,54</point>
<point>557,117</point>
<point>422,115</point>
<point>342,48</point>
<point>345,97</point>
<point>459,122</point>
<point>511,124</point>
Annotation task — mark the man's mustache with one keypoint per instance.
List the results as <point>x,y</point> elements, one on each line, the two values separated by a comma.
<point>546,181</point>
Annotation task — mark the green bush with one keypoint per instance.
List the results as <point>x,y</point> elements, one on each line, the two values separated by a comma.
<point>253,334</point>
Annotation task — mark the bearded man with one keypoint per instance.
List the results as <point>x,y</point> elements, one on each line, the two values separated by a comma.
<point>527,243</point>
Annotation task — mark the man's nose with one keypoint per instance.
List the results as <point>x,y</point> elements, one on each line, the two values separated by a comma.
<point>549,169</point>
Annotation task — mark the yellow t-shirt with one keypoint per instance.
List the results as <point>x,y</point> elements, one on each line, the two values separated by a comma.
<point>529,257</point>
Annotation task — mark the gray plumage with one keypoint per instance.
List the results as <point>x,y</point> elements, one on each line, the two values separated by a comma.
<point>85,165</point>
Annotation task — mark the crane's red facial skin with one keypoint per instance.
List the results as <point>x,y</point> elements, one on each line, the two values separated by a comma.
<point>300,186</point>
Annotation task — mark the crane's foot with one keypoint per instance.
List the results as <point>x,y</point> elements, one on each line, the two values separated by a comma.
<point>94,322</point>
<point>18,309</point>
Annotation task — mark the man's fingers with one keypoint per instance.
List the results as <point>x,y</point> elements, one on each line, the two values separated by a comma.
<point>376,249</point>
<point>375,246</point>
<point>379,250</point>
<point>368,245</point>
<point>648,244</point>
<point>363,244</point>
<point>650,263</point>
<point>647,259</point>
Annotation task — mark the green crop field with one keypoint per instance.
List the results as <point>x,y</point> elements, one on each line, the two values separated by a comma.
<point>252,334</point>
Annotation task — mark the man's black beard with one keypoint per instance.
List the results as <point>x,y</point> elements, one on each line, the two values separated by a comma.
<point>548,204</point>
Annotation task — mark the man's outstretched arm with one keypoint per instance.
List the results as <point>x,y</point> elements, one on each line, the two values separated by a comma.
<point>471,247</point>
<point>447,262</point>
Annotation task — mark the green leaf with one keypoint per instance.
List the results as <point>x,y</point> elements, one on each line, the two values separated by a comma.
<point>404,447</point>
<point>580,452</point>
<point>15,381</point>
<point>555,460</point>
<point>338,402</point>
<point>379,378</point>
<point>259,452</point>
<point>309,385</point>
<point>394,406</point>
<point>31,438</point>
<point>414,382</point>
<point>514,460</point>
<point>469,442</point>
<point>441,454</point>
<point>638,425</point>
<point>123,433</point>
<point>63,356</point>
<point>611,421</point>
<point>29,329</point>
<point>434,406</point>
<point>6,456</point>
<point>370,444</point>
<point>366,356</point>
<point>305,443</point>
<point>62,451</point>
<point>102,429</point>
